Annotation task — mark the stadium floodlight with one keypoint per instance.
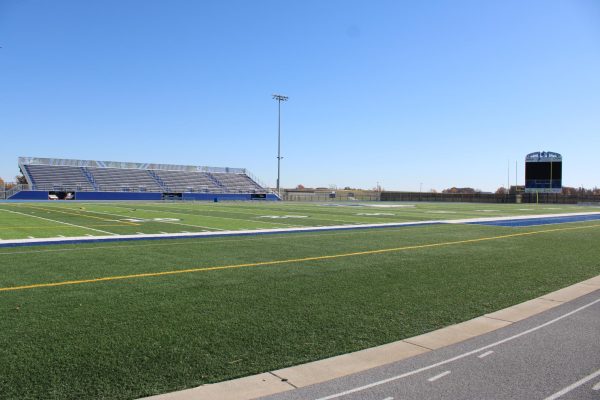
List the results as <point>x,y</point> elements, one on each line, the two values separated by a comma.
<point>279,99</point>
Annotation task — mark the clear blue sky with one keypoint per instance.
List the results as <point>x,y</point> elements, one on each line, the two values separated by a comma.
<point>447,93</point>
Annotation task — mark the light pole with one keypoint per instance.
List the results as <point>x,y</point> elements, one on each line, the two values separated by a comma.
<point>279,99</point>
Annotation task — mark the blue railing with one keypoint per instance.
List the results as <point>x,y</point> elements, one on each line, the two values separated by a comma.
<point>89,177</point>
<point>158,180</point>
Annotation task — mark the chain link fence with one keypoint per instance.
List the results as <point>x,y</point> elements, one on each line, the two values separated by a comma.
<point>526,198</point>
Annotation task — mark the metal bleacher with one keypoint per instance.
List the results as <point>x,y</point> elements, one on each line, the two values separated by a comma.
<point>58,178</point>
<point>184,181</point>
<point>240,182</point>
<point>52,174</point>
<point>117,179</point>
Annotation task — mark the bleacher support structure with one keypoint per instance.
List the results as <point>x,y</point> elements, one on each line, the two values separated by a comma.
<point>111,180</point>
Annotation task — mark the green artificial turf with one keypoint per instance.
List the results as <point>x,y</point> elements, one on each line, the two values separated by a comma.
<point>52,219</point>
<point>141,336</point>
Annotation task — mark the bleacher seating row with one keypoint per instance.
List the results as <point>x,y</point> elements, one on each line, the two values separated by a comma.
<point>138,179</point>
<point>42,176</point>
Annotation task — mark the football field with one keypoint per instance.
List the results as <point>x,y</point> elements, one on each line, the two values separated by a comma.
<point>75,219</point>
<point>127,319</point>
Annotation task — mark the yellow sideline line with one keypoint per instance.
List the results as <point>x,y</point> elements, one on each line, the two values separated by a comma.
<point>288,261</point>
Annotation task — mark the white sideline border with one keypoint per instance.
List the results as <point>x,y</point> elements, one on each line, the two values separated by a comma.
<point>249,232</point>
<point>517,217</point>
<point>180,235</point>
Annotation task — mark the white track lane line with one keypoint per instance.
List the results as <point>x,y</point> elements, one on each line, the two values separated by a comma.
<point>487,353</point>
<point>575,385</point>
<point>596,386</point>
<point>58,222</point>
<point>458,357</point>
<point>435,378</point>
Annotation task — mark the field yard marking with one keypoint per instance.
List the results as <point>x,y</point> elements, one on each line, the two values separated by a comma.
<point>163,222</point>
<point>60,222</point>
<point>80,214</point>
<point>288,261</point>
<point>212,216</point>
<point>47,227</point>
<point>346,211</point>
<point>232,209</point>
<point>316,212</point>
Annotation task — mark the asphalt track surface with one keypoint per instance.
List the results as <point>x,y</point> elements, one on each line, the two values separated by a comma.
<point>553,355</point>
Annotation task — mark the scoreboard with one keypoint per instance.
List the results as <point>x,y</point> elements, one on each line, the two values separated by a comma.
<point>543,172</point>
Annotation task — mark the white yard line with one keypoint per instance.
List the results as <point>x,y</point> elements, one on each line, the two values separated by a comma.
<point>211,216</point>
<point>58,222</point>
<point>164,222</point>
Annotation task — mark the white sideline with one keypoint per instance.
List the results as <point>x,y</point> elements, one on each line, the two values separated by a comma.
<point>138,236</point>
<point>216,233</point>
<point>517,217</point>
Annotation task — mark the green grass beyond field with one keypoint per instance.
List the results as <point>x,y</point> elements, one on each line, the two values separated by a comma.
<point>131,319</point>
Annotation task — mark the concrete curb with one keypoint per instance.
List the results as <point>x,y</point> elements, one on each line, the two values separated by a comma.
<point>286,379</point>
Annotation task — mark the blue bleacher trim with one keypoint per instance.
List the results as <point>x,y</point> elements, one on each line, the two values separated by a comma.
<point>29,195</point>
<point>43,195</point>
<point>118,196</point>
